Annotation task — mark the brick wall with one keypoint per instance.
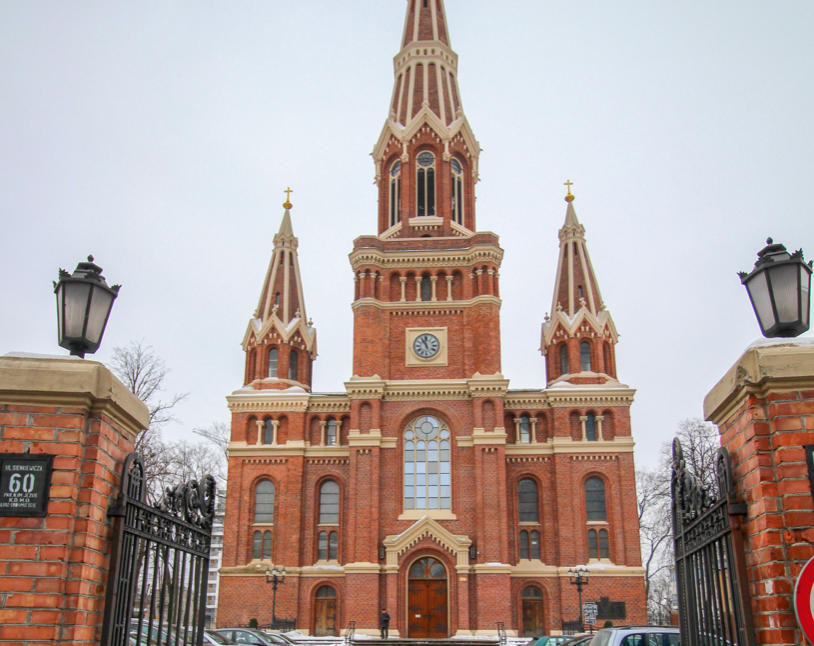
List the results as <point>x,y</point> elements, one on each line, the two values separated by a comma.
<point>764,409</point>
<point>53,570</point>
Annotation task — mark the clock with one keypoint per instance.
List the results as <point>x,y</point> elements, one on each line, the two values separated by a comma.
<point>426,345</point>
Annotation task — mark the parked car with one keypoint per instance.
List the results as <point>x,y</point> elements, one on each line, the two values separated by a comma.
<point>637,636</point>
<point>252,637</point>
<point>579,640</point>
<point>550,640</point>
<point>214,639</point>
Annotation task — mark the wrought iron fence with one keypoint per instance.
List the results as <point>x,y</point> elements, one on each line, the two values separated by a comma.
<point>572,627</point>
<point>349,633</point>
<point>501,633</point>
<point>713,597</point>
<point>157,585</point>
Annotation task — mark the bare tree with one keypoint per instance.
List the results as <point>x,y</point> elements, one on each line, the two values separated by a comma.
<point>655,527</point>
<point>700,444</point>
<point>144,373</point>
<point>219,433</point>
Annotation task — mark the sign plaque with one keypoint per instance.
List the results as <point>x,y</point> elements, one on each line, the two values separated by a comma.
<point>25,484</point>
<point>590,610</point>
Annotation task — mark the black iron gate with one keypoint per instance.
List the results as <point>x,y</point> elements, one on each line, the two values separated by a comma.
<point>713,597</point>
<point>159,566</point>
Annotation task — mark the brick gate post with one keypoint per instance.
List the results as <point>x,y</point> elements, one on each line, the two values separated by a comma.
<point>764,410</point>
<point>53,570</point>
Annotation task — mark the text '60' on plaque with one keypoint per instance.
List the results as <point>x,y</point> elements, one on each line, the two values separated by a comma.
<point>25,484</point>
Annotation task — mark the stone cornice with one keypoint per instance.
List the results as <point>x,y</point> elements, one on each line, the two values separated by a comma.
<point>559,445</point>
<point>78,383</point>
<point>407,308</point>
<point>589,396</point>
<point>420,259</point>
<point>779,365</point>
<point>290,449</point>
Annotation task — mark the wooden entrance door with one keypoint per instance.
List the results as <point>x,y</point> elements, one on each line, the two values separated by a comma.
<point>533,612</point>
<point>325,612</point>
<point>427,611</point>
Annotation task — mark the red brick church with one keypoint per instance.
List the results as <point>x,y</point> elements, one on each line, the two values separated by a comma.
<point>428,486</point>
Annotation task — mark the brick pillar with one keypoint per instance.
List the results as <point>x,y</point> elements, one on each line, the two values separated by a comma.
<point>54,570</point>
<point>764,409</point>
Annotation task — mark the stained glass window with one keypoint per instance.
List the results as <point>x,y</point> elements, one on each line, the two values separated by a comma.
<point>427,475</point>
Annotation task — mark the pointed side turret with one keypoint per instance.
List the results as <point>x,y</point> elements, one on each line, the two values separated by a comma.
<point>280,342</point>
<point>579,337</point>
<point>433,195</point>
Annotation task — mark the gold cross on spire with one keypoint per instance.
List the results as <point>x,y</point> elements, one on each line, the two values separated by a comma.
<point>569,197</point>
<point>287,204</point>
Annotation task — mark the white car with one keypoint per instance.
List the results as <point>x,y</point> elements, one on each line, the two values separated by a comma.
<point>638,636</point>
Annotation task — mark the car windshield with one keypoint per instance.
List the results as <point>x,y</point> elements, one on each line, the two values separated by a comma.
<point>263,637</point>
<point>219,639</point>
<point>601,638</point>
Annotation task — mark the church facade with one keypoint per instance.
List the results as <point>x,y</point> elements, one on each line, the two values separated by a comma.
<point>429,486</point>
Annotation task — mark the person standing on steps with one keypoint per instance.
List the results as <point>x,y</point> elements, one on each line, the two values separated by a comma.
<point>384,623</point>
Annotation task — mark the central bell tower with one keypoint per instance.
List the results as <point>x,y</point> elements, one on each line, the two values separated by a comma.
<point>427,301</point>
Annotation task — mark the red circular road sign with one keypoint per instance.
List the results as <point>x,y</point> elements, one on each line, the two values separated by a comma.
<point>804,600</point>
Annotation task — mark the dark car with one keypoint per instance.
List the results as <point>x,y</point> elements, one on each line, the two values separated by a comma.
<point>251,637</point>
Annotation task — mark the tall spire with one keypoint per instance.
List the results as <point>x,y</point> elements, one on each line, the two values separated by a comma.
<point>576,285</point>
<point>426,67</point>
<point>280,320</point>
<point>426,115</point>
<point>579,325</point>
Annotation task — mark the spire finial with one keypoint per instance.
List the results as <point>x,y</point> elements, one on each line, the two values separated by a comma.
<point>287,204</point>
<point>569,197</point>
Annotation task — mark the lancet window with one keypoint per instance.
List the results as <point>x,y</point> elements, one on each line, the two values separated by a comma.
<point>425,184</point>
<point>457,191</point>
<point>427,475</point>
<point>395,192</point>
<point>274,359</point>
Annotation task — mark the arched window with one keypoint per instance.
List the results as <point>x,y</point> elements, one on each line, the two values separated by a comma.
<point>426,288</point>
<point>598,544</point>
<point>585,356</point>
<point>532,593</point>
<point>534,544</point>
<point>425,184</point>
<point>595,499</point>
<point>590,428</point>
<point>333,546</point>
<point>457,192</point>
<point>329,503</point>
<point>274,358</point>
<point>524,544</point>
<point>268,432</point>
<point>292,365</point>
<point>326,592</point>
<point>527,501</point>
<point>395,192</point>
<point>608,360</point>
<point>264,502</point>
<point>525,429</point>
<point>257,545</point>
<point>564,368</point>
<point>330,433</point>
<point>427,476</point>
<point>267,545</point>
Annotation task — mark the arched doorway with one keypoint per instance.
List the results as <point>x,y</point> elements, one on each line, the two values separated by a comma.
<point>533,612</point>
<point>325,612</point>
<point>427,606</point>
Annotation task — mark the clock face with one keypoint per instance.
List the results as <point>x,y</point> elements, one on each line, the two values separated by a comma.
<point>426,346</point>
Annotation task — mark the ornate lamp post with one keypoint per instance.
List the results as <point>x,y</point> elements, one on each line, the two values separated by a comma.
<point>779,288</point>
<point>275,579</point>
<point>84,302</point>
<point>578,576</point>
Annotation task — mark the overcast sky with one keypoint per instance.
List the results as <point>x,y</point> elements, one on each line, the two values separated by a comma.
<point>159,137</point>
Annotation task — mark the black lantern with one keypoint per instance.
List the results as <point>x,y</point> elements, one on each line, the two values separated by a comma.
<point>83,306</point>
<point>779,288</point>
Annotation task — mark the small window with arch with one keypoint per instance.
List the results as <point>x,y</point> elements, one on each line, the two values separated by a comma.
<point>598,544</point>
<point>425,184</point>
<point>595,509</point>
<point>293,365</point>
<point>261,545</point>
<point>585,356</point>
<point>590,428</point>
<point>395,192</point>
<point>328,546</point>
<point>426,288</point>
<point>525,429</point>
<point>274,361</point>
<point>457,191</point>
<point>564,367</point>
<point>264,502</point>
<point>330,433</point>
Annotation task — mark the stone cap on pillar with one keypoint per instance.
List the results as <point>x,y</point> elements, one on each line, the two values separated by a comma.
<point>768,365</point>
<point>44,380</point>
